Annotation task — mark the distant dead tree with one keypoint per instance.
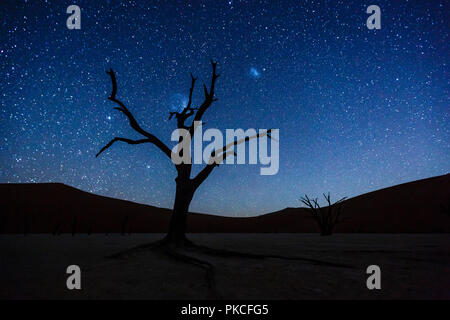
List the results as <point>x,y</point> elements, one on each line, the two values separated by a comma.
<point>186,185</point>
<point>326,218</point>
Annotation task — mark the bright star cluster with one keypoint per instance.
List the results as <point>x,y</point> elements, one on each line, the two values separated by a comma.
<point>357,109</point>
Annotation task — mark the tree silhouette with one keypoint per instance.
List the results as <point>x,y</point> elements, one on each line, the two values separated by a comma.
<point>175,240</point>
<point>326,218</point>
<point>185,184</point>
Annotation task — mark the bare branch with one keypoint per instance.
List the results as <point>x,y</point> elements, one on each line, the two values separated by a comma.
<point>313,208</point>
<point>191,91</point>
<point>221,154</point>
<point>129,141</point>
<point>326,218</point>
<point>214,161</point>
<point>202,175</point>
<point>209,97</point>
<point>133,123</point>
<point>187,111</point>
<point>225,148</point>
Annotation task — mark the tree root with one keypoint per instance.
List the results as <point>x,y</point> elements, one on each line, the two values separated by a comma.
<point>221,252</point>
<point>165,247</point>
<point>139,248</point>
<point>209,268</point>
<point>231,253</point>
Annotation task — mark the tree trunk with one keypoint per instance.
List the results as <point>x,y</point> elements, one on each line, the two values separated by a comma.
<point>178,222</point>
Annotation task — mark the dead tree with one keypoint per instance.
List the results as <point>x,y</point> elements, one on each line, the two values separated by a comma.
<point>185,184</point>
<point>173,243</point>
<point>326,218</point>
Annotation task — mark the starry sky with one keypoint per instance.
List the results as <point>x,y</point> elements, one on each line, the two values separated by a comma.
<point>357,109</point>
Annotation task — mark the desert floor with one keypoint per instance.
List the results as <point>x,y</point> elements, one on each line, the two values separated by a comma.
<point>412,266</point>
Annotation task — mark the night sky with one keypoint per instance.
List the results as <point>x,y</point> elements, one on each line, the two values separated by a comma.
<point>357,109</point>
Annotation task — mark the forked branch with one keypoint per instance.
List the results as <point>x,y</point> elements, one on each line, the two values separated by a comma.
<point>187,111</point>
<point>219,155</point>
<point>209,97</point>
<point>133,123</point>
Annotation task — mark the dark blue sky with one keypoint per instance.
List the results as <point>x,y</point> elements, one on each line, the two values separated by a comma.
<point>357,109</point>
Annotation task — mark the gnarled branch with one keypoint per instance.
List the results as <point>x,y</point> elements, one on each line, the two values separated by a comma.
<point>209,97</point>
<point>133,123</point>
<point>187,111</point>
<point>129,141</point>
<point>221,154</point>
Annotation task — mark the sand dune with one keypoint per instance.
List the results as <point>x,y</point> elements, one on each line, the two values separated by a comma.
<point>419,206</point>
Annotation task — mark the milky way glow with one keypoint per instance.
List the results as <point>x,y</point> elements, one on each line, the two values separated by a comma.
<point>178,102</point>
<point>254,73</point>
